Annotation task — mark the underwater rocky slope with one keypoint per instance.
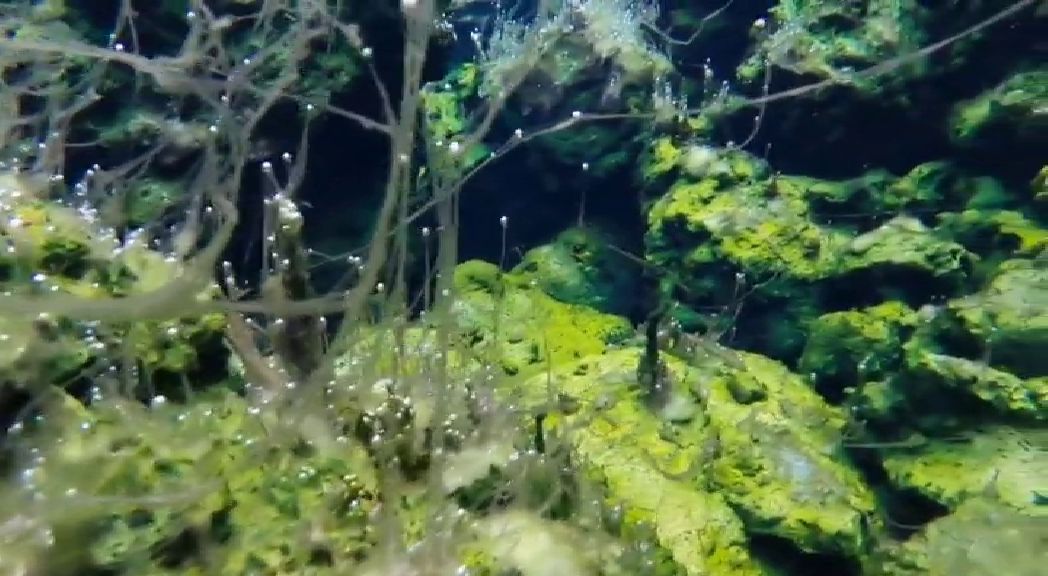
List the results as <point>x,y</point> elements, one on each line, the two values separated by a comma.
<point>731,360</point>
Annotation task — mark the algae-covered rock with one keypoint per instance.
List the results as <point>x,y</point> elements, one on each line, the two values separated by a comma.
<point>1003,391</point>
<point>778,461</point>
<point>665,156</point>
<point>905,245</point>
<point>937,186</point>
<point>978,354</point>
<point>832,40</point>
<point>775,241</point>
<point>1010,317</point>
<point>1039,186</point>
<point>927,188</point>
<point>536,547</point>
<point>1015,110</point>
<point>444,106</point>
<point>165,476</point>
<point>55,251</point>
<point>517,326</point>
<point>143,203</point>
<point>760,443</point>
<point>1004,464</point>
<point>594,57</point>
<point>851,348</point>
<point>760,228</point>
<point>646,466</point>
<point>581,266</point>
<point>981,537</point>
<point>994,234</point>
<point>767,229</point>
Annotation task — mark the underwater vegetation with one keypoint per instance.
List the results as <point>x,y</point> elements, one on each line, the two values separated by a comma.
<point>532,288</point>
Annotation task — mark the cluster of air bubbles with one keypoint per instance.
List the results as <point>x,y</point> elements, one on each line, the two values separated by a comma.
<point>666,103</point>
<point>91,338</point>
<point>389,422</point>
<point>12,165</point>
<point>43,282</point>
<point>96,393</point>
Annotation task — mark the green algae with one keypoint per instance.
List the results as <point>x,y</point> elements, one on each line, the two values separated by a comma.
<point>1004,464</point>
<point>1015,108</point>
<point>582,266</point>
<point>778,462</point>
<point>848,349</point>
<point>621,444</point>
<point>980,537</point>
<point>200,502</point>
<point>55,250</point>
<point>522,329</point>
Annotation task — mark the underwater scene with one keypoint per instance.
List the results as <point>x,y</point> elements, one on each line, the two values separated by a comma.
<point>524,287</point>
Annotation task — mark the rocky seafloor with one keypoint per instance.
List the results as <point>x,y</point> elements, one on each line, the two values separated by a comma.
<point>821,352</point>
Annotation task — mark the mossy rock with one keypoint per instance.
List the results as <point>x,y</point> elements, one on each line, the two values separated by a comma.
<point>713,241</point>
<point>933,186</point>
<point>1039,186</point>
<point>623,445</point>
<point>443,103</point>
<point>45,237</point>
<point>444,108</point>
<point>1010,317</point>
<point>147,200</point>
<point>729,167</point>
<point>904,247</point>
<point>830,40</point>
<point>531,546</point>
<point>517,326</point>
<point>981,537</point>
<point>661,157</point>
<point>1001,463</point>
<point>758,440</point>
<point>176,346</point>
<point>1014,111</point>
<point>998,390</point>
<point>927,187</point>
<point>765,229</point>
<point>848,349</point>
<point>995,234</point>
<point>779,462</point>
<point>56,249</point>
<point>172,472</point>
<point>581,267</point>
<point>761,229</point>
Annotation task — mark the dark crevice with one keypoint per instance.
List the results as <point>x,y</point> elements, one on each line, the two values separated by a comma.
<point>905,511</point>
<point>789,560</point>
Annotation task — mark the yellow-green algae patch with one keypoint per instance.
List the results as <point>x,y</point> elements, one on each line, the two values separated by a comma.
<point>625,447</point>
<point>761,454</point>
<point>1005,464</point>
<point>778,460</point>
<point>514,324</point>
